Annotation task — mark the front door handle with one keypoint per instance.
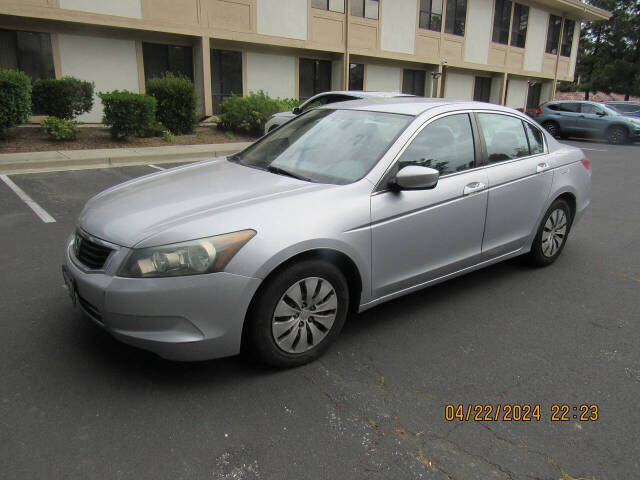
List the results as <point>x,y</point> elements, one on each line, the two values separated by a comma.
<point>473,187</point>
<point>542,167</point>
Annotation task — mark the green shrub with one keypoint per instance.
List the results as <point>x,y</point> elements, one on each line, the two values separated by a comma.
<point>176,98</point>
<point>15,99</point>
<point>65,97</point>
<point>128,113</point>
<point>169,137</point>
<point>249,114</point>
<point>60,129</point>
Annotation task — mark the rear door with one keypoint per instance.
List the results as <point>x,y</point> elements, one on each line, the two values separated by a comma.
<point>519,181</point>
<point>566,114</point>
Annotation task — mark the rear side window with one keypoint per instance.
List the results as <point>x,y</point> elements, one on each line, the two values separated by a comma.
<point>569,107</point>
<point>504,136</point>
<point>536,139</point>
<point>445,144</point>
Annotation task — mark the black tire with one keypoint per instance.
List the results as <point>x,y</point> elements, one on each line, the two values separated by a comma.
<point>540,255</point>
<point>259,339</point>
<point>553,128</point>
<point>617,135</point>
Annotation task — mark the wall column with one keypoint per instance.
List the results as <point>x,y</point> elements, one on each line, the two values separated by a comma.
<point>202,76</point>
<point>503,90</point>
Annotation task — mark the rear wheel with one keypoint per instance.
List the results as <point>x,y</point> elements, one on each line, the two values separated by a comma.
<point>298,314</point>
<point>552,127</point>
<point>617,135</point>
<point>552,234</point>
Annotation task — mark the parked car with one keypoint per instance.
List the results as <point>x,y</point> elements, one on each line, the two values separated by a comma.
<point>630,109</point>
<point>587,119</point>
<point>325,98</point>
<point>345,207</point>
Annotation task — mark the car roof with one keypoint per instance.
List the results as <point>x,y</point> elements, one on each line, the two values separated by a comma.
<point>365,94</point>
<point>412,105</point>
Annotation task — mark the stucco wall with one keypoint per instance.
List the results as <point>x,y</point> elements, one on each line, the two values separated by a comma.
<point>336,75</point>
<point>536,38</point>
<point>459,86</point>
<point>95,59</point>
<point>121,8</point>
<point>496,87</point>
<point>275,74</point>
<point>517,93</point>
<point>399,25</point>
<point>383,78</point>
<point>283,18</point>
<point>478,31</point>
<point>574,50</point>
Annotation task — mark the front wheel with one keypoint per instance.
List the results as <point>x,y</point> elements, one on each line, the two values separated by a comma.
<point>552,234</point>
<point>617,135</point>
<point>298,313</point>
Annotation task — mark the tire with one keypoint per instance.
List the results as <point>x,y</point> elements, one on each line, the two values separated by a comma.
<point>553,128</point>
<point>617,135</point>
<point>296,337</point>
<point>546,247</point>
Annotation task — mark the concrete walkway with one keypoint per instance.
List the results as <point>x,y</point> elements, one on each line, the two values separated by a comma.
<point>31,162</point>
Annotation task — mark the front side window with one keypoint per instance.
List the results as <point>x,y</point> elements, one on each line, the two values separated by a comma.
<point>413,81</point>
<point>327,146</point>
<point>430,15</point>
<point>332,5</point>
<point>456,17</point>
<point>314,77</point>
<point>482,89</point>
<point>553,34</point>
<point>591,109</point>
<point>446,144</point>
<point>161,59</point>
<point>226,76</point>
<point>504,137</point>
<point>356,76</point>
<point>501,20</point>
<point>29,52</point>
<point>520,24</point>
<point>567,37</point>
<point>365,8</point>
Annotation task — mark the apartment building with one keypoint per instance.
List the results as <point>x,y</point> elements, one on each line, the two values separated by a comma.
<point>503,51</point>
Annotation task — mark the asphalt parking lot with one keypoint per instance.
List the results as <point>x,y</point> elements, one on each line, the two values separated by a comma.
<point>74,403</point>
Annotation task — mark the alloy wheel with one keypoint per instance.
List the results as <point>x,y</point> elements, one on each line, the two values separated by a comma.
<point>554,232</point>
<point>304,315</point>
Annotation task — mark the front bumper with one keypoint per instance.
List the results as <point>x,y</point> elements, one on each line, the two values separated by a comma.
<point>188,318</point>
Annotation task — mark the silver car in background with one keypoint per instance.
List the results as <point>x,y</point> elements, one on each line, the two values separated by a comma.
<point>343,208</point>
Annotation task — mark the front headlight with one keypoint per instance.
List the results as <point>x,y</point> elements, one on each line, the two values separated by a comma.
<point>205,255</point>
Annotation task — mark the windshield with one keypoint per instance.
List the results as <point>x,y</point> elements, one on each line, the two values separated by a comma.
<point>326,146</point>
<point>625,108</point>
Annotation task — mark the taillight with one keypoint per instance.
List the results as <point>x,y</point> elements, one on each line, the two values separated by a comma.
<point>586,163</point>
<point>539,111</point>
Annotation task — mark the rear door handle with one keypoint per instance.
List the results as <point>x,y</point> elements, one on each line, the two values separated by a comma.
<point>542,167</point>
<point>473,187</point>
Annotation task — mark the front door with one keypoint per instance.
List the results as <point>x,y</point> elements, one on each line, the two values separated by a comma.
<point>591,120</point>
<point>420,235</point>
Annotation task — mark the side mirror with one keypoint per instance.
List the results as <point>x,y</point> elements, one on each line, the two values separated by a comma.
<point>296,111</point>
<point>601,114</point>
<point>415,177</point>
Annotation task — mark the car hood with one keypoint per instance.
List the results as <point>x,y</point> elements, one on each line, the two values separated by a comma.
<point>142,208</point>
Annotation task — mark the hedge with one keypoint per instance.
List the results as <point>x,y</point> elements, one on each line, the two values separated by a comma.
<point>249,114</point>
<point>176,100</point>
<point>129,113</point>
<point>15,99</point>
<point>65,98</point>
<point>60,129</point>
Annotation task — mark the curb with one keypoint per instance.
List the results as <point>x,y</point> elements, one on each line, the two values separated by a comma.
<point>34,162</point>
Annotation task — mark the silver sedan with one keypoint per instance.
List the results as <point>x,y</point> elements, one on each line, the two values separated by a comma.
<point>343,208</point>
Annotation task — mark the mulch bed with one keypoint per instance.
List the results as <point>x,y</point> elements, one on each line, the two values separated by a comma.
<point>33,139</point>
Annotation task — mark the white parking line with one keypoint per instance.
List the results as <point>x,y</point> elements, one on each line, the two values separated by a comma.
<point>155,166</point>
<point>594,149</point>
<point>41,212</point>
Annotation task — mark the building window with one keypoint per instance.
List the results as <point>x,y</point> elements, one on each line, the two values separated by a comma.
<point>482,89</point>
<point>365,8</point>
<point>501,20</point>
<point>456,17</point>
<point>226,76</point>
<point>553,34</point>
<point>160,59</point>
<point>356,76</point>
<point>520,23</point>
<point>314,78</point>
<point>533,96</point>
<point>431,15</point>
<point>332,5</point>
<point>29,52</point>
<point>567,37</point>
<point>413,82</point>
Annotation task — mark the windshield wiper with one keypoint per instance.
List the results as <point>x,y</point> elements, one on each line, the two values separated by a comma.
<point>282,171</point>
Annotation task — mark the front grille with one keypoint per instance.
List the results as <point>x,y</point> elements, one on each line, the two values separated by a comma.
<point>91,254</point>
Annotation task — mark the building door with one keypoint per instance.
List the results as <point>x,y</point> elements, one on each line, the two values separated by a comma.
<point>226,76</point>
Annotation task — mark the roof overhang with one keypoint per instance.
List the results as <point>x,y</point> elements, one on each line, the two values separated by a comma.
<point>578,9</point>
